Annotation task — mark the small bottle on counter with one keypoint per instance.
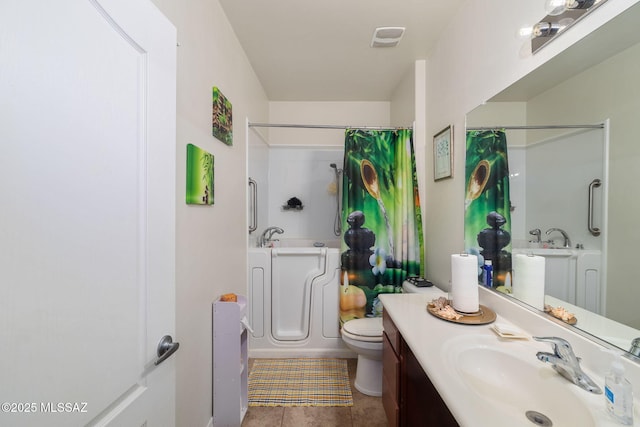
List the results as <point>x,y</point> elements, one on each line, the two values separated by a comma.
<point>487,273</point>
<point>618,393</point>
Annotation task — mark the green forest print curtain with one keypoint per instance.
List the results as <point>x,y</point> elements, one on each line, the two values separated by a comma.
<point>487,218</point>
<point>382,240</point>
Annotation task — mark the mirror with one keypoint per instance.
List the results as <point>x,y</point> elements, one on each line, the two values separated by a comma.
<point>593,82</point>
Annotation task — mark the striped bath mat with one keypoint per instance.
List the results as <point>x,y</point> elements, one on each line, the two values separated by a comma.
<point>299,382</point>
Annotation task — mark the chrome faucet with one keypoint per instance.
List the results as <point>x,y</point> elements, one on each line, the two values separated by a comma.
<point>267,234</point>
<point>566,363</point>
<point>635,347</point>
<point>535,233</point>
<point>567,241</point>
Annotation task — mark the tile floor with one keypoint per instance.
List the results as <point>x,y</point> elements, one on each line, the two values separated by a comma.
<point>366,411</point>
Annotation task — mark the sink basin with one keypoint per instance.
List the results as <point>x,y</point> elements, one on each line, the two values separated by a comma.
<point>516,387</point>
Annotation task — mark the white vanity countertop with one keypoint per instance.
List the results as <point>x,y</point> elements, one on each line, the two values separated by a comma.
<point>425,334</point>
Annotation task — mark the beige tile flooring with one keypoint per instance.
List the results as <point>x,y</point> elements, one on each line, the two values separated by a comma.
<point>366,411</point>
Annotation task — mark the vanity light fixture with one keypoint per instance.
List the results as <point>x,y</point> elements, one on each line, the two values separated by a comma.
<point>544,29</point>
<point>387,36</point>
<point>561,15</point>
<point>558,7</point>
<point>524,33</point>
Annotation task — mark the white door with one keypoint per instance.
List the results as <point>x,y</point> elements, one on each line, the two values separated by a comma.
<point>87,213</point>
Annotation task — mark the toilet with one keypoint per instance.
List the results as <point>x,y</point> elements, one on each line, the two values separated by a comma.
<point>364,337</point>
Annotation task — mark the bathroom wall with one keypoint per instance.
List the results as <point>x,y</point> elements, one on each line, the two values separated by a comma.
<point>471,63</point>
<point>403,101</point>
<point>323,113</point>
<point>211,250</point>
<point>408,105</point>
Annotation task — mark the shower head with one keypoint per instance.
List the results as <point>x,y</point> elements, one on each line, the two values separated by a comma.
<point>333,165</point>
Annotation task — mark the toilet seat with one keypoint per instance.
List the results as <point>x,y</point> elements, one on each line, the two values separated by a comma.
<point>368,329</point>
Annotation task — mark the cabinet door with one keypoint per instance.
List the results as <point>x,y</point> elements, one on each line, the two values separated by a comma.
<point>392,332</point>
<point>421,403</point>
<point>390,382</point>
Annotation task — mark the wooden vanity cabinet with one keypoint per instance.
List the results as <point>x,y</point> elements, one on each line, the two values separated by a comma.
<point>391,361</point>
<point>408,396</point>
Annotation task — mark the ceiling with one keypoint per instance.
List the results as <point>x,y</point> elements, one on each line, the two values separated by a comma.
<point>304,50</point>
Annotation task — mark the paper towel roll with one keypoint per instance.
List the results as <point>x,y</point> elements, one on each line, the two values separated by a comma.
<point>528,279</point>
<point>464,283</point>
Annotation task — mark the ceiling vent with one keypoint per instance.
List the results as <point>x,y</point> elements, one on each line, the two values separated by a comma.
<point>387,36</point>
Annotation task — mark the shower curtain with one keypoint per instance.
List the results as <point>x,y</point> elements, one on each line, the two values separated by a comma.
<point>487,219</point>
<point>382,227</point>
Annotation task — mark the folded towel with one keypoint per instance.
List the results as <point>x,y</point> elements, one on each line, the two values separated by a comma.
<point>509,331</point>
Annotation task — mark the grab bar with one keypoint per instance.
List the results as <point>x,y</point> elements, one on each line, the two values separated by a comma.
<point>254,202</point>
<point>593,230</point>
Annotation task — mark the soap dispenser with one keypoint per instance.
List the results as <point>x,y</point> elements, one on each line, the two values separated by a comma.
<point>618,392</point>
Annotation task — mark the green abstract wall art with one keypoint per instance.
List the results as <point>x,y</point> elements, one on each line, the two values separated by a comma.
<point>222,123</point>
<point>199,176</point>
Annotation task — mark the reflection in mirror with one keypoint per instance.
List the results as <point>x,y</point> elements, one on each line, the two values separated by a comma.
<point>552,173</point>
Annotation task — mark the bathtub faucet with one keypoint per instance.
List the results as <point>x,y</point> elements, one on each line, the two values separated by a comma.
<point>267,234</point>
<point>565,236</point>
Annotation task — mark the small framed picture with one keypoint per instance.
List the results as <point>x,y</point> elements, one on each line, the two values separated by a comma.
<point>443,154</point>
<point>222,118</point>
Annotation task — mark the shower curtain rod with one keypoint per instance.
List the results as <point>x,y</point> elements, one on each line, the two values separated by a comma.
<point>532,127</point>
<point>541,127</point>
<point>286,125</point>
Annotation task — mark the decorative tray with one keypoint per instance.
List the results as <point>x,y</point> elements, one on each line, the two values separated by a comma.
<point>482,317</point>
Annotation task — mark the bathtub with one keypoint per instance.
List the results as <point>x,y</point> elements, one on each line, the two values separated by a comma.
<point>294,300</point>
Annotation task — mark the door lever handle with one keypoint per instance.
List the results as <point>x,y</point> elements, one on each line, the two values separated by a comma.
<point>166,347</point>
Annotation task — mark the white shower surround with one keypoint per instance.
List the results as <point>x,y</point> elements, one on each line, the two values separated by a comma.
<point>549,186</point>
<point>304,173</point>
